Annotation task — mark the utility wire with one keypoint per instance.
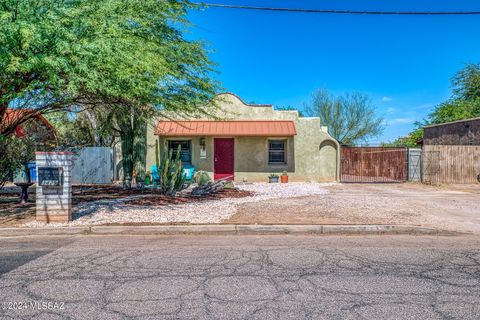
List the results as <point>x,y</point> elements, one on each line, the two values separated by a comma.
<point>228,6</point>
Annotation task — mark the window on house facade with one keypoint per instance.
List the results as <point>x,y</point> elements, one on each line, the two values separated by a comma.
<point>185,153</point>
<point>276,152</point>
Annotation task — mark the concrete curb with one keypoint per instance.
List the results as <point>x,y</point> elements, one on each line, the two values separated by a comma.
<point>47,231</point>
<point>226,229</point>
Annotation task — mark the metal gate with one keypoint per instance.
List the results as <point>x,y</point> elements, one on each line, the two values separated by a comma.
<point>92,165</point>
<point>373,164</point>
<point>415,165</point>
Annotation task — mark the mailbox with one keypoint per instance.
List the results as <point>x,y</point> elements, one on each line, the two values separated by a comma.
<point>50,176</point>
<point>54,187</point>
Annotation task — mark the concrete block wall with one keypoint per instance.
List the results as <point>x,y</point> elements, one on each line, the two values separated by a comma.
<point>54,204</point>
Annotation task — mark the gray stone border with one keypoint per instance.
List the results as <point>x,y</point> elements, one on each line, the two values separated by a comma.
<point>227,229</point>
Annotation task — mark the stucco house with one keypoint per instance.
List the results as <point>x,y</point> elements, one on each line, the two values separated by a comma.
<point>249,142</point>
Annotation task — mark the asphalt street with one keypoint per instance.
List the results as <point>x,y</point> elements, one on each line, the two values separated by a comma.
<point>240,277</point>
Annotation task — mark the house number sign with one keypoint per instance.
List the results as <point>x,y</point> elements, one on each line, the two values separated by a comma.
<point>50,176</point>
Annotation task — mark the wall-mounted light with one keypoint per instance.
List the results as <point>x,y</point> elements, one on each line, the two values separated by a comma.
<point>203,148</point>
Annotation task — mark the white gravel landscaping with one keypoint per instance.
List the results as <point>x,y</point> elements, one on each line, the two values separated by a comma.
<point>213,211</point>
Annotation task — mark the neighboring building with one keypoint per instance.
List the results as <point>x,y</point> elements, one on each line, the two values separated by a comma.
<point>251,142</point>
<point>37,128</point>
<point>451,152</point>
<point>463,132</point>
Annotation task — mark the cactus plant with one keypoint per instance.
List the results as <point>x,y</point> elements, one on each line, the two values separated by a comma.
<point>157,159</point>
<point>170,170</point>
<point>127,157</point>
<point>201,178</point>
<point>140,152</point>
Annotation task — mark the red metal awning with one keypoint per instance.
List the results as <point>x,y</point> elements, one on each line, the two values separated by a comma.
<point>252,128</point>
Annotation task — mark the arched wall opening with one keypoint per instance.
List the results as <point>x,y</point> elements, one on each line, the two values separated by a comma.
<point>329,160</point>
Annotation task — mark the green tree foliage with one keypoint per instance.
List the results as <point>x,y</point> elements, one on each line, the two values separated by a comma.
<point>57,54</point>
<point>466,83</point>
<point>464,104</point>
<point>71,129</point>
<point>131,126</point>
<point>350,118</point>
<point>410,141</point>
<point>16,153</point>
<point>114,59</point>
<point>455,109</point>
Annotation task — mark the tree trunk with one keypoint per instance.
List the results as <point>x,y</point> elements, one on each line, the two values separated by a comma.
<point>5,130</point>
<point>133,137</point>
<point>140,150</point>
<point>92,118</point>
<point>127,155</point>
<point>3,110</point>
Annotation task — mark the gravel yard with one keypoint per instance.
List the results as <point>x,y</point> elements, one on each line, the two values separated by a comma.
<point>120,211</point>
<point>455,207</point>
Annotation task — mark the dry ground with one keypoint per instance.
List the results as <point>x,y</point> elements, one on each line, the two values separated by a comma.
<point>13,214</point>
<point>455,207</point>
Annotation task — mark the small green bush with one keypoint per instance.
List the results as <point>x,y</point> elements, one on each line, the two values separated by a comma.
<point>201,178</point>
<point>14,154</point>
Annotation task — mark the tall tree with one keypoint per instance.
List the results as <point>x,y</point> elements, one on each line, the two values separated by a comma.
<point>74,128</point>
<point>130,124</point>
<point>351,118</point>
<point>124,57</point>
<point>57,54</point>
<point>466,83</point>
<point>463,104</point>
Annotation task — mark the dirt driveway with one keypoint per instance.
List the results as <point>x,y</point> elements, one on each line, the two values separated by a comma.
<point>454,207</point>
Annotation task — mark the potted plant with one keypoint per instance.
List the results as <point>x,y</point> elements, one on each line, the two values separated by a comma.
<point>273,178</point>
<point>148,179</point>
<point>284,177</point>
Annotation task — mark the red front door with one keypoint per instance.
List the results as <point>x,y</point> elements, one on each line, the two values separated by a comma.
<point>223,166</point>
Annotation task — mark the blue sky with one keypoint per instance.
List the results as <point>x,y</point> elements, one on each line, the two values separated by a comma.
<point>404,63</point>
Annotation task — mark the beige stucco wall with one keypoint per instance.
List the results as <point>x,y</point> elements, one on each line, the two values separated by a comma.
<point>199,163</point>
<point>312,154</point>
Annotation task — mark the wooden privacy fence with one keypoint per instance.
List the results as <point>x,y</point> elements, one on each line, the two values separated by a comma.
<point>451,164</point>
<point>415,164</point>
<point>373,164</point>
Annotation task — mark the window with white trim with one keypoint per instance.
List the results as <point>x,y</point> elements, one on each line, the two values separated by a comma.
<point>276,152</point>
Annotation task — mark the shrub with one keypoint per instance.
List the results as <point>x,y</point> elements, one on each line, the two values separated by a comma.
<point>15,153</point>
<point>201,178</point>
